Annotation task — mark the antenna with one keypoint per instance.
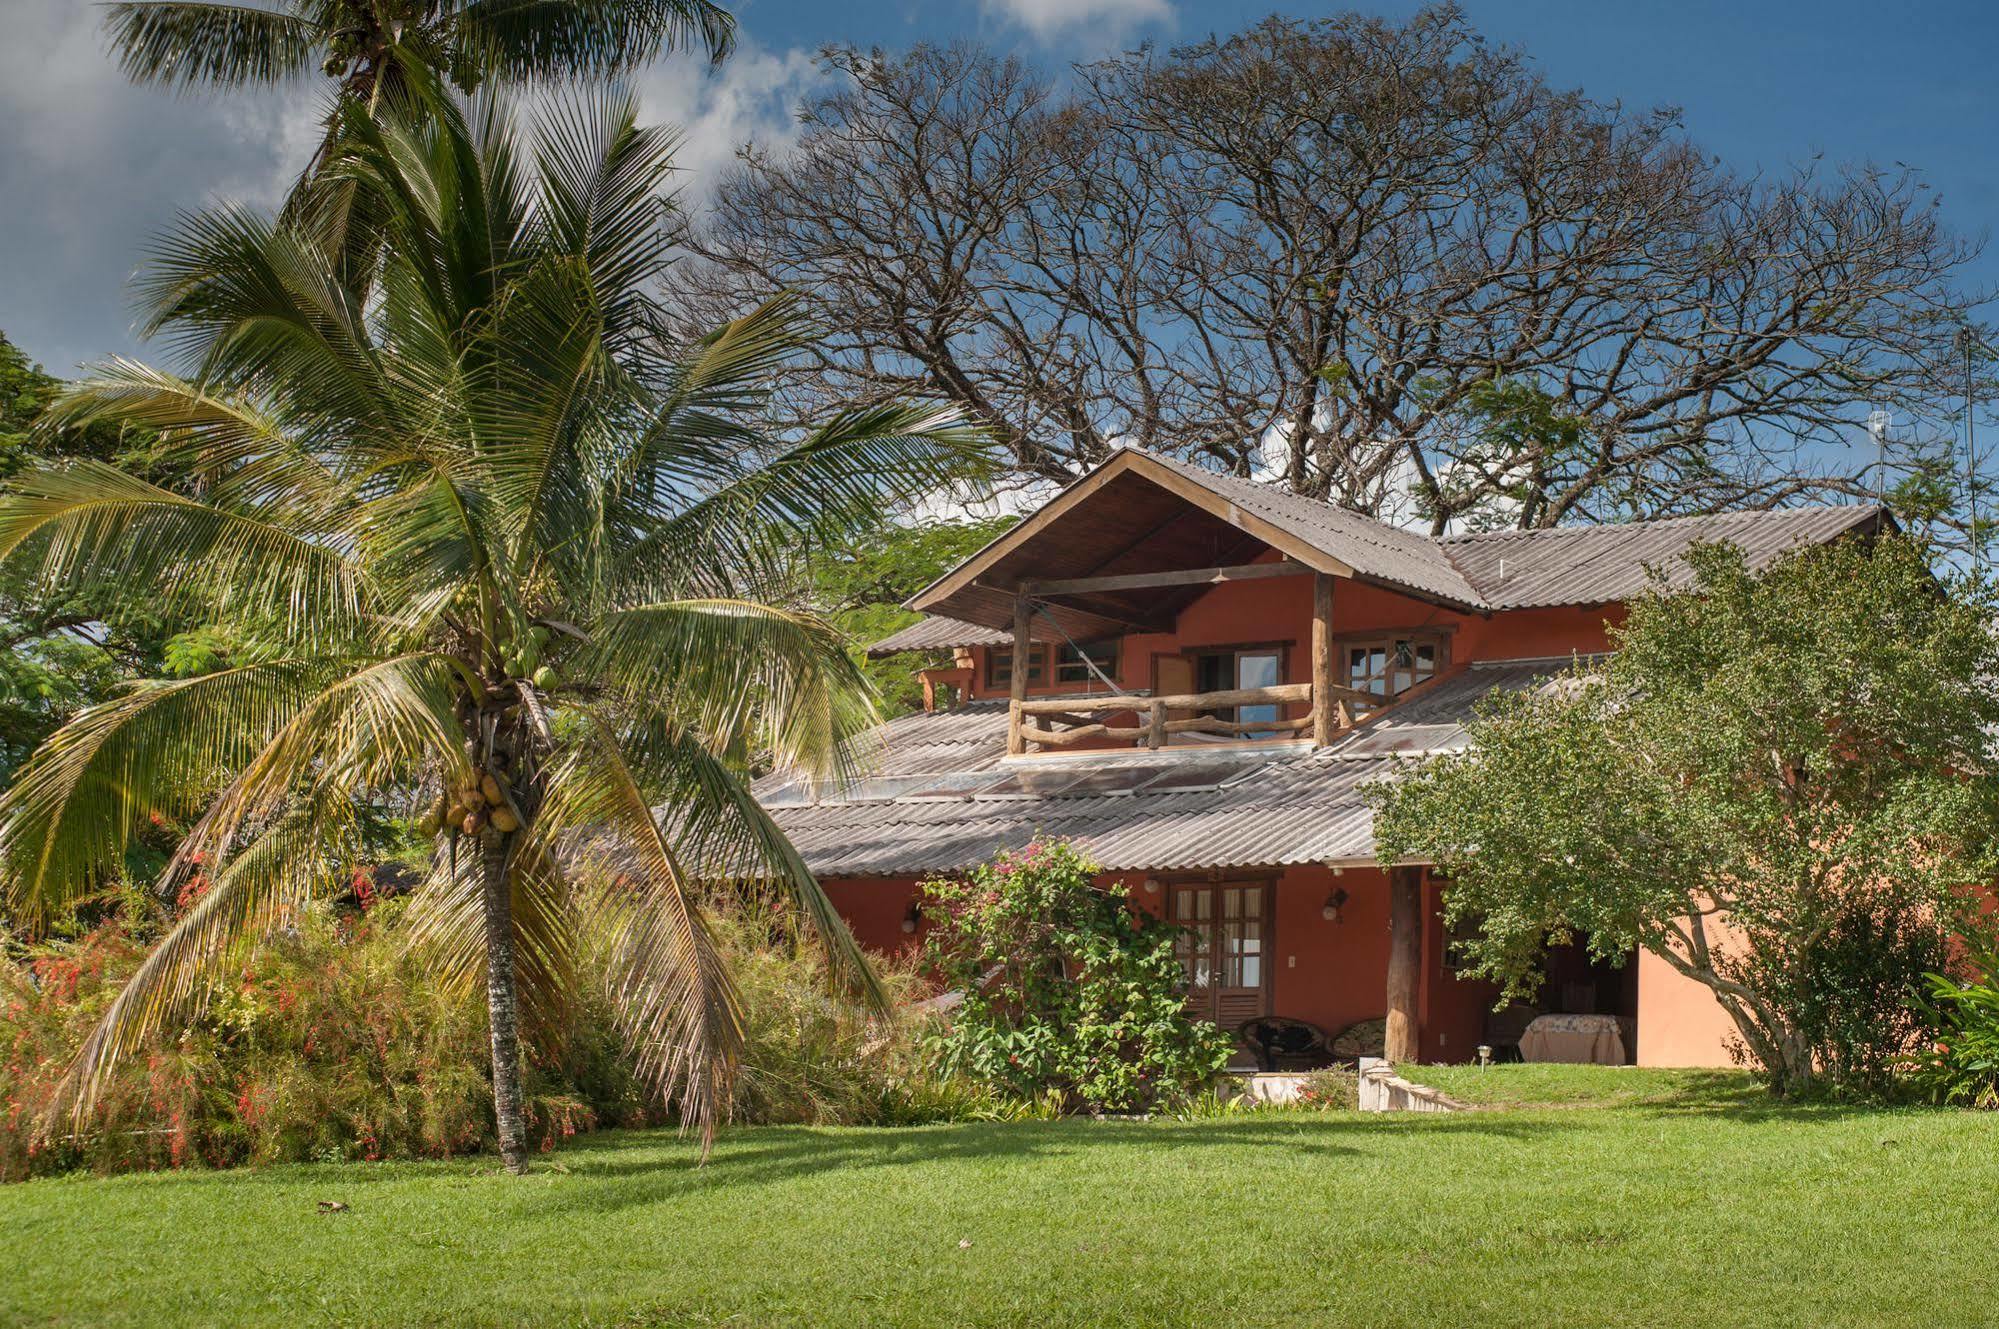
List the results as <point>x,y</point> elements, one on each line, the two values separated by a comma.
<point>1877,425</point>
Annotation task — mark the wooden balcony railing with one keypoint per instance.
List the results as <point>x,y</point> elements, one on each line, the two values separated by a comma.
<point>1036,721</point>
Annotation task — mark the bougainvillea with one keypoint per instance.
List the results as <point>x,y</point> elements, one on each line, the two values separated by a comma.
<point>1064,987</point>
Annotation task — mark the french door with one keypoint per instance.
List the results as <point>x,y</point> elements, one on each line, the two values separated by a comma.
<point>1224,947</point>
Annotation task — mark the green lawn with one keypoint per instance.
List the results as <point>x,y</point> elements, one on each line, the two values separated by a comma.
<point>1693,1209</point>
<point>1546,1085</point>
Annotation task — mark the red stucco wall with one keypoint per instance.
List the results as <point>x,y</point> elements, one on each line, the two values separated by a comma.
<point>1330,973</point>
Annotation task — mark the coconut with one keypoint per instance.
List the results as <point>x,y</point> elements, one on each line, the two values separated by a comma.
<point>491,789</point>
<point>505,822</point>
<point>545,677</point>
<point>473,823</point>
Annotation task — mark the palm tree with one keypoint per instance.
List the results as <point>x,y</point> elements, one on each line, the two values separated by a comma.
<point>491,538</point>
<point>361,43</point>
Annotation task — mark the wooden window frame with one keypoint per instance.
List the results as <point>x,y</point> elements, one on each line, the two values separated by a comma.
<point>1281,649</point>
<point>1344,643</point>
<point>1266,881</point>
<point>1083,671</point>
<point>1037,665</point>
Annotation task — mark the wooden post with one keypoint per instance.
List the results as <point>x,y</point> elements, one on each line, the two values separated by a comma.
<point>1405,958</point>
<point>1155,732</point>
<point>1324,717</point>
<point>1023,618</point>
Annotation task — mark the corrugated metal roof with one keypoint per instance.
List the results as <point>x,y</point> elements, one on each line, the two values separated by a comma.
<point>1371,548</point>
<point>1276,805</point>
<point>1594,564</point>
<point>938,633</point>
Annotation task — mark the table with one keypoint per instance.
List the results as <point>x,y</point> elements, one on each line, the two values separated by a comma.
<point>1603,1040</point>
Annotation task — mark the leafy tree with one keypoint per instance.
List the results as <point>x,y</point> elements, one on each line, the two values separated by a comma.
<point>1312,249</point>
<point>1781,783</point>
<point>61,649</point>
<point>495,541</point>
<point>861,586</point>
<point>1065,987</point>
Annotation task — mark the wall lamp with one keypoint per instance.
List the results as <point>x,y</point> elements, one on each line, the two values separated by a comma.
<point>1336,903</point>
<point>911,916</point>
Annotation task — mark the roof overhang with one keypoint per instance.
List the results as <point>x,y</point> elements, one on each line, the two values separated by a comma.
<point>1131,515</point>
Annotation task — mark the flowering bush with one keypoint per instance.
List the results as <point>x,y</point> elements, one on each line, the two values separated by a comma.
<point>330,1042</point>
<point>1963,1066</point>
<point>334,1042</point>
<point>1066,988</point>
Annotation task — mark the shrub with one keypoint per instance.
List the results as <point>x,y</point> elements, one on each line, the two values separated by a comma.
<point>334,1042</point>
<point>1334,1088</point>
<point>1963,1064</point>
<point>1066,988</point>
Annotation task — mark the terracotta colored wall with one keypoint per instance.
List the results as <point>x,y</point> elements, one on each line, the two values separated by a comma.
<point>1332,974</point>
<point>1279,609</point>
<point>1679,1021</point>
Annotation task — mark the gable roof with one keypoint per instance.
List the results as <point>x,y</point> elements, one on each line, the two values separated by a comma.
<point>942,800</point>
<point>1480,573</point>
<point>939,633</point>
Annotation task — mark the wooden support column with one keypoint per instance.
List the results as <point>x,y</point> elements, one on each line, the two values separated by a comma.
<point>1325,716</point>
<point>1405,960</point>
<point>1023,619</point>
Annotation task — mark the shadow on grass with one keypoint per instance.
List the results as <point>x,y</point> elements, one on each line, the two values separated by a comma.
<point>779,1154</point>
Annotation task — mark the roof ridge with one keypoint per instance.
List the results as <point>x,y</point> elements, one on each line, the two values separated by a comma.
<point>1474,537</point>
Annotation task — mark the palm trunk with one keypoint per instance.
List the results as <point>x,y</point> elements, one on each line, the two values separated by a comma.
<point>503,1004</point>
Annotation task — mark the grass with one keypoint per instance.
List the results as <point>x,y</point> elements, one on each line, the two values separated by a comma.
<point>1696,1207</point>
<point>1518,1085</point>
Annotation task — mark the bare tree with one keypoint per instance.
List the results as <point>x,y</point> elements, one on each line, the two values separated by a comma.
<point>1386,263</point>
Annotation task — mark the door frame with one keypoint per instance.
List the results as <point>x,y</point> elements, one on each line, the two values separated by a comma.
<point>1218,878</point>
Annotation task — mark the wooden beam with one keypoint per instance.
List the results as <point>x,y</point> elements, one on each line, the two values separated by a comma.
<point>1405,962</point>
<point>1186,701</point>
<point>1326,716</point>
<point>1139,581</point>
<point>1023,649</point>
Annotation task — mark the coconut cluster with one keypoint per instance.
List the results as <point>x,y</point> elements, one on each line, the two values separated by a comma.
<point>521,655</point>
<point>470,808</point>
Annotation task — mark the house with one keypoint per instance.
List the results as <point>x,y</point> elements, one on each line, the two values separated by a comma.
<point>1193,676</point>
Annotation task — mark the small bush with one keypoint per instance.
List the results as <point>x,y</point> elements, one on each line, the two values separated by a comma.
<point>1067,989</point>
<point>1334,1089</point>
<point>1963,1064</point>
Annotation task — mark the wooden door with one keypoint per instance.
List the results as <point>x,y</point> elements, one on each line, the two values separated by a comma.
<point>1224,948</point>
<point>1172,676</point>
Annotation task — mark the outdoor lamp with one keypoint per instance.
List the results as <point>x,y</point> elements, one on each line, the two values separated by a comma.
<point>1336,900</point>
<point>910,916</point>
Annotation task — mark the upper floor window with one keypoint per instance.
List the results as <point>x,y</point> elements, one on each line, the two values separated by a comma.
<point>1390,666</point>
<point>999,665</point>
<point>1072,667</point>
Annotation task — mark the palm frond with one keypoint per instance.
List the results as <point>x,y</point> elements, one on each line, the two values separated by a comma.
<point>741,674</point>
<point>94,525</point>
<point>71,810</point>
<point>447,926</point>
<point>675,1001</point>
<point>716,823</point>
<point>388,722</point>
<point>565,38</point>
<point>293,860</point>
<point>192,42</point>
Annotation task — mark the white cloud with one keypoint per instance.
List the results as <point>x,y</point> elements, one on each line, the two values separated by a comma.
<point>91,168</point>
<point>1109,19</point>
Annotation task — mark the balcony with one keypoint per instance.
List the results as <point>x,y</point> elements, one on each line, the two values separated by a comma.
<point>1072,721</point>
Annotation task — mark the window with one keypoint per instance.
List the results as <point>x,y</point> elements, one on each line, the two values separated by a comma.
<point>999,665</point>
<point>1391,666</point>
<point>1070,666</point>
<point>1251,667</point>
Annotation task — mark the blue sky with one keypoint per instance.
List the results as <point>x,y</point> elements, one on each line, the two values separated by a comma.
<point>90,167</point>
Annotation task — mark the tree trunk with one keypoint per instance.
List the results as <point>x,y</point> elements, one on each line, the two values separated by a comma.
<point>503,1004</point>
